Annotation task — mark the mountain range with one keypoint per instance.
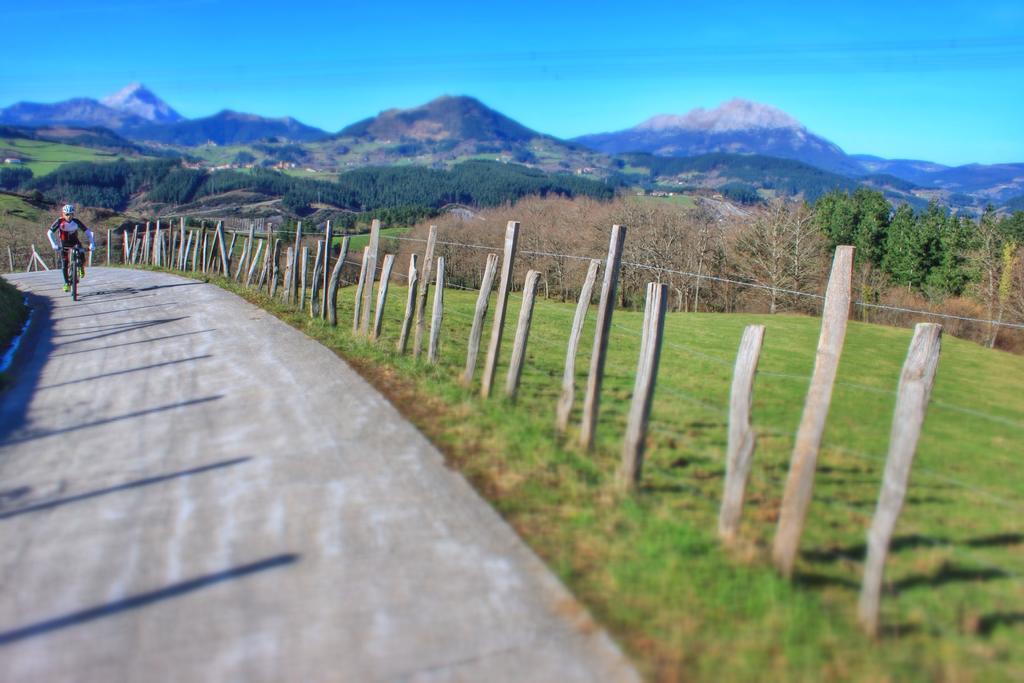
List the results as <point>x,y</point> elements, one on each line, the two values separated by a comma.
<point>137,114</point>
<point>450,128</point>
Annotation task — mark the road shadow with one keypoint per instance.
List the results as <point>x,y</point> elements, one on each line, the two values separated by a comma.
<point>116,373</point>
<point>145,599</point>
<point>112,292</point>
<point>121,328</point>
<point>177,284</point>
<point>105,421</point>
<point>133,297</point>
<point>17,494</point>
<point>114,310</point>
<point>141,341</point>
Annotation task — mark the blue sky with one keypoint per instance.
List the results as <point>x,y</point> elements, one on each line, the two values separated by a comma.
<point>942,81</point>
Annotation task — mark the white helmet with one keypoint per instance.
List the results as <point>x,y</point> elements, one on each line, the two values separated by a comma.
<point>69,208</point>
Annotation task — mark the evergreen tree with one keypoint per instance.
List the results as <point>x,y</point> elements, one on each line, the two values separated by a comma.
<point>953,272</point>
<point>860,219</point>
<point>903,249</point>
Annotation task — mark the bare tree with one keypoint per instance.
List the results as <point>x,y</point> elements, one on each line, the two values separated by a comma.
<point>780,249</point>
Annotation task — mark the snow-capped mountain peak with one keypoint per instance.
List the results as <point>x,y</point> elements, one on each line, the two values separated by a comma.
<point>139,100</point>
<point>734,115</point>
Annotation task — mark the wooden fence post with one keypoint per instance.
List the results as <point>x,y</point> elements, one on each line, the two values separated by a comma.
<point>144,255</point>
<point>289,275</point>
<point>10,258</point>
<point>421,300</point>
<point>225,260</point>
<point>239,264</point>
<point>275,266</point>
<point>254,264</point>
<point>515,363</point>
<point>356,315</point>
<point>187,250</point>
<point>800,481</point>
<point>242,259</point>
<point>410,304</point>
<point>382,294</point>
<point>314,290</point>
<point>303,267</point>
<point>609,287</point>
<point>182,250</point>
<point>371,275</point>
<point>632,464</point>
<point>433,352</point>
<point>292,285</point>
<point>195,251</point>
<point>328,247</point>
<point>565,402</point>
<point>157,258</point>
<point>500,307</point>
<point>247,252</point>
<point>742,440</point>
<point>332,294</point>
<point>912,397</point>
<point>36,257</point>
<point>482,300</point>
<point>208,249</point>
<point>108,247</point>
<point>124,248</point>
<point>267,254</point>
<point>231,253</point>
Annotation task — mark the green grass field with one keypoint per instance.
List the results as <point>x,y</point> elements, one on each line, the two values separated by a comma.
<point>356,243</point>
<point>45,157</point>
<point>680,200</point>
<point>649,567</point>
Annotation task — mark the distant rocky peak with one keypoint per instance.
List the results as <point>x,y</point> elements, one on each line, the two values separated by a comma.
<point>734,115</point>
<point>139,100</point>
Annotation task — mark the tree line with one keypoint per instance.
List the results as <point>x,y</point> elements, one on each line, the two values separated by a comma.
<point>774,257</point>
<point>115,185</point>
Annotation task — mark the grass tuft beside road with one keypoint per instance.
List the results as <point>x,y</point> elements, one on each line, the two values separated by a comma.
<point>13,314</point>
<point>649,566</point>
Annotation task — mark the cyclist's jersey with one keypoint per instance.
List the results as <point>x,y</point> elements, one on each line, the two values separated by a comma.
<point>67,232</point>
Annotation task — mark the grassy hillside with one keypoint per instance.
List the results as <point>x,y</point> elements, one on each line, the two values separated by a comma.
<point>14,207</point>
<point>43,157</point>
<point>649,566</point>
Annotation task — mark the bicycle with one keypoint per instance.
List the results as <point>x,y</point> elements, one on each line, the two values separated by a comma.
<point>74,259</point>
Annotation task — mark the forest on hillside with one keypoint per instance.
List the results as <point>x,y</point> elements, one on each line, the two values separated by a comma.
<point>117,184</point>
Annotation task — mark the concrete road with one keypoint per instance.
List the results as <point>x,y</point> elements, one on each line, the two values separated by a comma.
<point>190,490</point>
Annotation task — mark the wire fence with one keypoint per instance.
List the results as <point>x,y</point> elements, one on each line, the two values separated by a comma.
<point>690,416</point>
<point>732,281</point>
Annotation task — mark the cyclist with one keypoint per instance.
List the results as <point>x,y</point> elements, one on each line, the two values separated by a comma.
<point>66,228</point>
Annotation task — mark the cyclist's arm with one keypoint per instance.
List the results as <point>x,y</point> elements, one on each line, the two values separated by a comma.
<point>92,239</point>
<point>49,234</point>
